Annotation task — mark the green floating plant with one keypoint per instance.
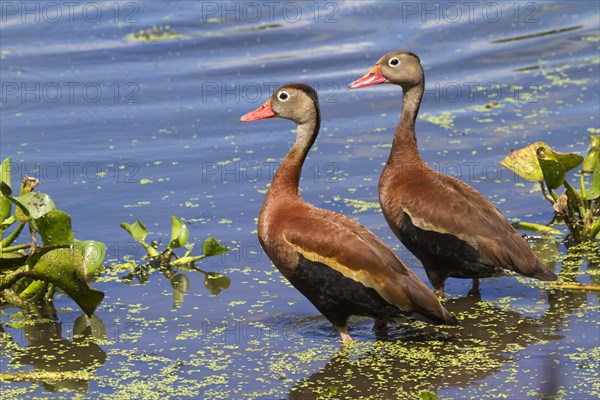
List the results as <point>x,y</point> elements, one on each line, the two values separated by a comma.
<point>427,395</point>
<point>156,33</point>
<point>30,272</point>
<point>578,209</point>
<point>170,264</point>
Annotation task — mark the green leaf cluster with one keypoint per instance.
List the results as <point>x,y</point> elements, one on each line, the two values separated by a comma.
<point>579,209</point>
<point>170,264</point>
<point>30,272</point>
<point>179,238</point>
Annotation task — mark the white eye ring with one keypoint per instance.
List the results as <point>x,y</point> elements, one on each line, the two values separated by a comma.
<point>390,63</point>
<point>283,96</point>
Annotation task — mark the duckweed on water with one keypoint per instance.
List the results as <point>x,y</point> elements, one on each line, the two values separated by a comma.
<point>412,359</point>
<point>155,33</point>
<point>359,205</point>
<point>519,99</point>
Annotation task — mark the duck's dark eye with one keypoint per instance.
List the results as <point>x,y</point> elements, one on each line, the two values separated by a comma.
<point>283,96</point>
<point>394,62</point>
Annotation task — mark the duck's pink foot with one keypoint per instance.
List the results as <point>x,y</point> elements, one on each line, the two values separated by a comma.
<point>346,338</point>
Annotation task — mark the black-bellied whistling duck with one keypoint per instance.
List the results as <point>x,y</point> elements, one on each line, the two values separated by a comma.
<point>451,227</point>
<point>338,264</point>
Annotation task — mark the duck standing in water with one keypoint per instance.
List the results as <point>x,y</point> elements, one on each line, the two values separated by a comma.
<point>449,226</point>
<point>339,265</point>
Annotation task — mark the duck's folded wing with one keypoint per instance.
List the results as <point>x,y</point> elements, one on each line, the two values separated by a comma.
<point>360,259</point>
<point>450,206</point>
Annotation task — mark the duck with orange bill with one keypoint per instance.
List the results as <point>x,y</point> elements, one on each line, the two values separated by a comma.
<point>448,225</point>
<point>336,263</point>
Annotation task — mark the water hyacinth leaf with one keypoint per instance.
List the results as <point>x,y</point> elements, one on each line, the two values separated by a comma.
<point>427,395</point>
<point>5,188</point>
<point>34,204</point>
<point>592,159</point>
<point>34,289</point>
<point>137,230</point>
<point>594,190</point>
<point>55,228</point>
<point>524,163</point>
<point>37,254</point>
<point>212,247</point>
<point>7,222</point>
<point>553,171</point>
<point>179,233</point>
<point>216,282</point>
<point>93,254</point>
<point>10,261</point>
<point>567,160</point>
<point>64,267</point>
<point>5,181</point>
<point>27,186</point>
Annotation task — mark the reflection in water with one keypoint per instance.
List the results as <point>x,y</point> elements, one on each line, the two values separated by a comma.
<point>58,363</point>
<point>214,282</point>
<point>409,360</point>
<point>574,259</point>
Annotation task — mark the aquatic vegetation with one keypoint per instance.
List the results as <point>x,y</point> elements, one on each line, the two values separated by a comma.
<point>154,34</point>
<point>59,363</point>
<point>170,264</point>
<point>430,359</point>
<point>578,209</point>
<point>30,272</point>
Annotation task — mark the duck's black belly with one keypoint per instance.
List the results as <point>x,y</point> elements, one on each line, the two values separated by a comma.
<point>338,297</point>
<point>443,255</point>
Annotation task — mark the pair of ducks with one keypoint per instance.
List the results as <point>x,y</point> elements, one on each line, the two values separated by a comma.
<point>341,266</point>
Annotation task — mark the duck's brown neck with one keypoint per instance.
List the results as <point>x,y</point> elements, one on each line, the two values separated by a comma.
<point>287,177</point>
<point>404,146</point>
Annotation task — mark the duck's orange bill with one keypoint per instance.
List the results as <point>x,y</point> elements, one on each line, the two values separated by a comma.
<point>373,77</point>
<point>263,111</point>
